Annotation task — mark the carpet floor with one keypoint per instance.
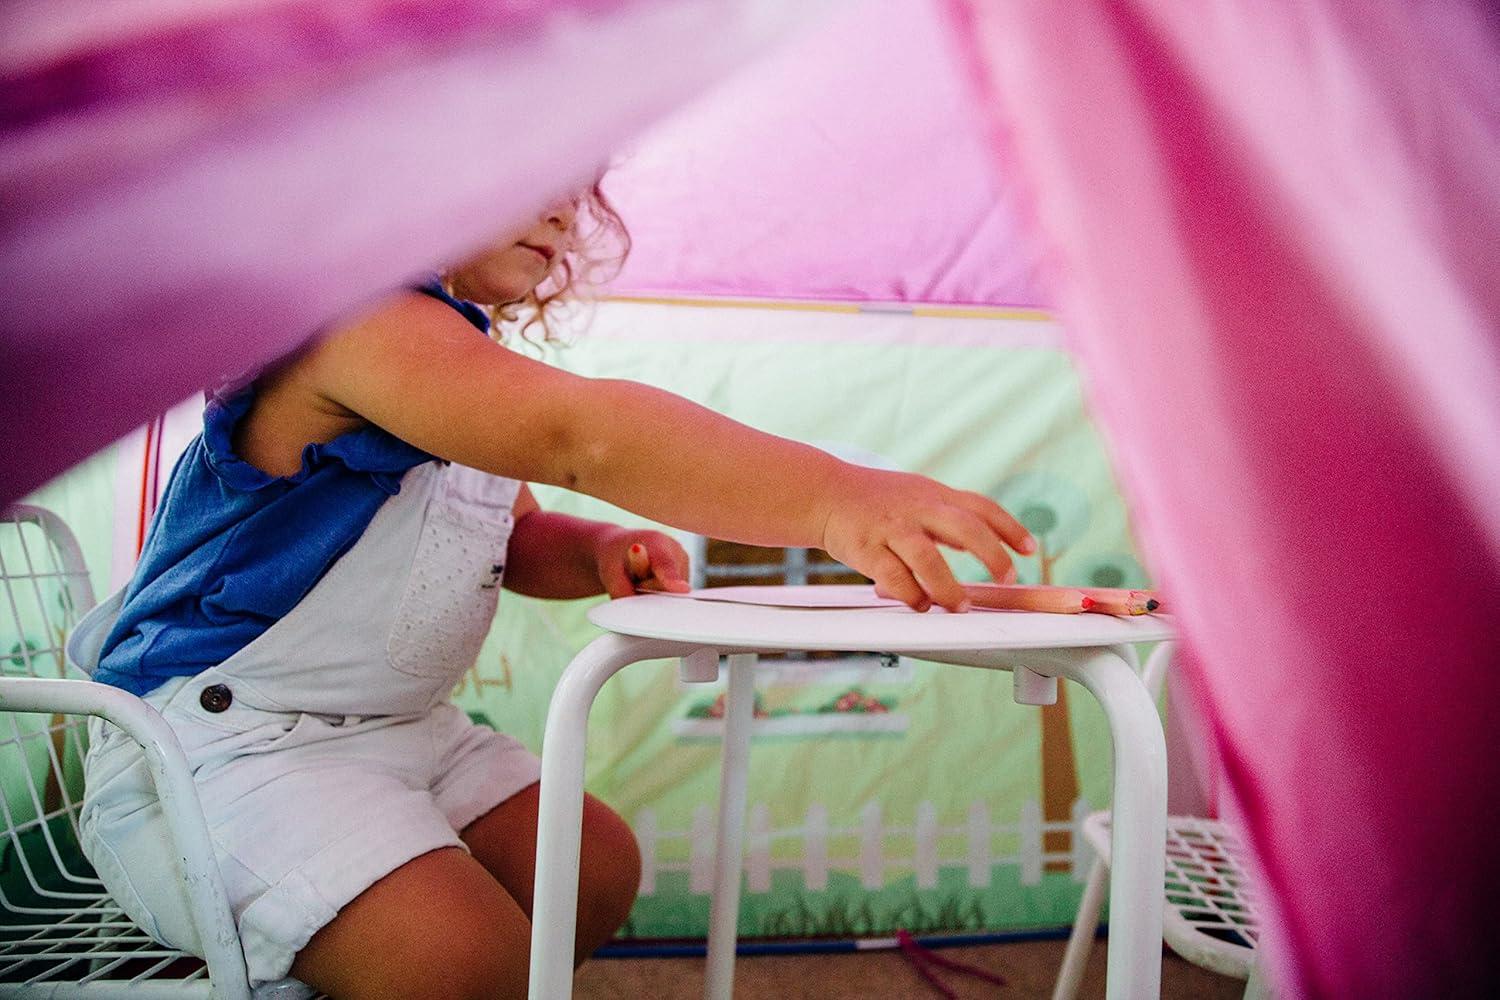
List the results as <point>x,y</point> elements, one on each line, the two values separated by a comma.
<point>1030,969</point>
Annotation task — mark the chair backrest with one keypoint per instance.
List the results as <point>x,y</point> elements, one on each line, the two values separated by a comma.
<point>46,590</point>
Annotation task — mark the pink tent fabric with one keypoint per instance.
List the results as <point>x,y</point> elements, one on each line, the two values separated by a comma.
<point>1277,229</point>
<point>1270,228</point>
<point>849,164</point>
<point>191,189</point>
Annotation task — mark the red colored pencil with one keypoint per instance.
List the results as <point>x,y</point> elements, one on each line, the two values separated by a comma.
<point>1114,601</point>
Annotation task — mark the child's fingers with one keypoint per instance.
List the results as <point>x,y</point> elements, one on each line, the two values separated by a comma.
<point>658,561</point>
<point>961,529</point>
<point>893,579</point>
<point>673,584</point>
<point>1001,520</point>
<point>638,561</point>
<point>616,579</point>
<point>669,563</point>
<point>921,556</point>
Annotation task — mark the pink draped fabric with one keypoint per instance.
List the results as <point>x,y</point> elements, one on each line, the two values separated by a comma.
<point>1277,231</point>
<point>1272,231</point>
<point>193,189</point>
<point>847,165</point>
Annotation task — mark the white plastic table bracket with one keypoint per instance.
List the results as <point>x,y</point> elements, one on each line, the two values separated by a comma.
<point>701,666</point>
<point>1032,688</point>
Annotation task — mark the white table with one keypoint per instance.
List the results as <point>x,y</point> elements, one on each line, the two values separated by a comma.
<point>1097,651</point>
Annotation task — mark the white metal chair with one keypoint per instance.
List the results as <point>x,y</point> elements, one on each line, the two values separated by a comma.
<point>1210,916</point>
<point>60,933</point>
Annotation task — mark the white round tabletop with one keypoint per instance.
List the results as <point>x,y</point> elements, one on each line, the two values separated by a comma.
<point>868,629</point>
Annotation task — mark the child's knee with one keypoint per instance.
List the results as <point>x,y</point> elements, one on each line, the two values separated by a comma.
<point>610,868</point>
<point>439,926</point>
<point>461,961</point>
<point>614,885</point>
<point>475,964</point>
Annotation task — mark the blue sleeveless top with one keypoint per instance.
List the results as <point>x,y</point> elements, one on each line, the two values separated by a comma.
<point>231,549</point>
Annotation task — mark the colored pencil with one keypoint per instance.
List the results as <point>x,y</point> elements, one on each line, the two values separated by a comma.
<point>1118,601</point>
<point>1009,597</point>
<point>1106,600</point>
<point>1112,601</point>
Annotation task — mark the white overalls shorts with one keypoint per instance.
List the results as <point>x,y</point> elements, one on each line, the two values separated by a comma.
<point>326,752</point>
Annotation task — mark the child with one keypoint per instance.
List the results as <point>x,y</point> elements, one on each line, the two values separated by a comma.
<point>322,570</point>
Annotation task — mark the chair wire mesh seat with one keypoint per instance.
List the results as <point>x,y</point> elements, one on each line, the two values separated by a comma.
<point>60,933</point>
<point>1211,917</point>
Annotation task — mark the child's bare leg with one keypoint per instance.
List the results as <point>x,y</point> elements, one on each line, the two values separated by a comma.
<point>609,864</point>
<point>439,926</point>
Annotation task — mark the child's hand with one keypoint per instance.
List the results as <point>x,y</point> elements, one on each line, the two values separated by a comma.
<point>630,561</point>
<point>886,525</point>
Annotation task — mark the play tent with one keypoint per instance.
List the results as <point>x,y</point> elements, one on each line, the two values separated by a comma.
<point>1269,235</point>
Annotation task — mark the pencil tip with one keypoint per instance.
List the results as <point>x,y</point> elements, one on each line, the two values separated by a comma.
<point>1152,604</point>
<point>1088,602</point>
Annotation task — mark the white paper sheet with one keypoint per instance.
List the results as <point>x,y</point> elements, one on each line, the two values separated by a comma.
<point>817,596</point>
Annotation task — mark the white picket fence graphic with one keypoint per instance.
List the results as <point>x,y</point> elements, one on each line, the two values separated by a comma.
<point>873,860</point>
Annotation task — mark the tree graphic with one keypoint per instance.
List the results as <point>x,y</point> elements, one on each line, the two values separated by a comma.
<point>1056,513</point>
<point>1111,569</point>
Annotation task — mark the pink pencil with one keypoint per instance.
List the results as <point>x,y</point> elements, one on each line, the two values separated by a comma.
<point>1015,597</point>
<point>1106,600</point>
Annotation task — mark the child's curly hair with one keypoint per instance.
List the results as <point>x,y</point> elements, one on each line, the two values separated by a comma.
<point>594,257</point>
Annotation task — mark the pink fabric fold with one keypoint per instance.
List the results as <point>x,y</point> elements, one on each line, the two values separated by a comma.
<point>190,193</point>
<point>1275,228</point>
<point>224,47</point>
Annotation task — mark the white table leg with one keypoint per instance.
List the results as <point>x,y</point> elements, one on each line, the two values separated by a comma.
<point>724,907</point>
<point>1138,841</point>
<point>559,833</point>
<point>1081,940</point>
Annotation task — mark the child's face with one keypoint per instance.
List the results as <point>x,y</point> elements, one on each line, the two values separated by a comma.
<point>508,271</point>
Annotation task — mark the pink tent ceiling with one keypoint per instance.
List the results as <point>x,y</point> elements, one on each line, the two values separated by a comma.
<point>1271,231</point>
<point>849,164</point>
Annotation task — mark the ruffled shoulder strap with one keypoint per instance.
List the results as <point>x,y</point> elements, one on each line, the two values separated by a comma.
<point>367,449</point>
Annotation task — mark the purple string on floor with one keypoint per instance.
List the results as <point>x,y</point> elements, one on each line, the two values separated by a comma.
<point>923,959</point>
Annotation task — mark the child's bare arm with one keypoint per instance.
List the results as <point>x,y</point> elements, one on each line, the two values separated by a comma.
<point>418,370</point>
<point>561,556</point>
